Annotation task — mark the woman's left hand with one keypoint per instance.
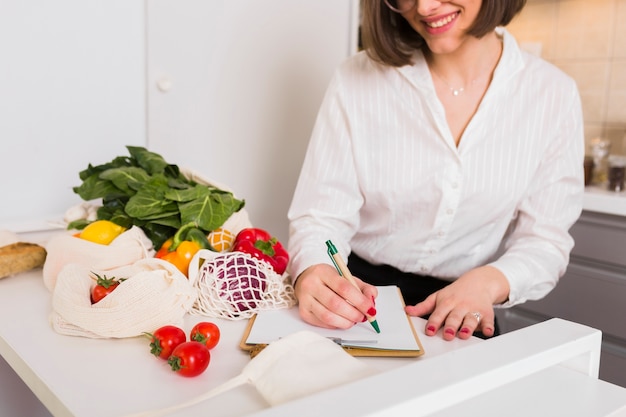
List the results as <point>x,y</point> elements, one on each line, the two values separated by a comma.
<point>464,306</point>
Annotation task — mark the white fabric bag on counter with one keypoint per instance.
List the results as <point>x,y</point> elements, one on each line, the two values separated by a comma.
<point>154,294</point>
<point>65,249</point>
<point>295,366</point>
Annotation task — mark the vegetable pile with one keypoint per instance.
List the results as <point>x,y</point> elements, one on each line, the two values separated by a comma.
<point>146,191</point>
<point>182,215</point>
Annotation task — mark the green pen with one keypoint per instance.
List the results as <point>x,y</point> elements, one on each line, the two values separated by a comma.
<point>345,272</point>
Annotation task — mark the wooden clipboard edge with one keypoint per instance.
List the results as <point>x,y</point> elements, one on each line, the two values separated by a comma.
<point>250,347</point>
<point>417,339</point>
<point>254,349</point>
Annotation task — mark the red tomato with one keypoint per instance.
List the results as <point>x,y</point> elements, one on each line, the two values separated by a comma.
<point>99,292</point>
<point>190,359</point>
<point>104,286</point>
<point>165,339</point>
<point>207,333</point>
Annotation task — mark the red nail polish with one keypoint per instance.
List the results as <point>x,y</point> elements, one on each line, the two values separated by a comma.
<point>464,330</point>
<point>363,319</point>
<point>431,328</point>
<point>449,331</point>
<point>371,311</point>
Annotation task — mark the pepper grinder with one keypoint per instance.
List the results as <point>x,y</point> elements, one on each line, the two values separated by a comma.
<point>600,149</point>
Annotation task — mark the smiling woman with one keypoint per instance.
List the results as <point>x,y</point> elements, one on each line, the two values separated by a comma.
<point>422,165</point>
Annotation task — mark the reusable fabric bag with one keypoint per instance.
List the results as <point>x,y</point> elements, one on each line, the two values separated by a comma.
<point>65,249</point>
<point>154,294</point>
<point>298,365</point>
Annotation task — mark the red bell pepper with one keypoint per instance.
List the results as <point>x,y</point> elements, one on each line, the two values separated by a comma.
<point>263,246</point>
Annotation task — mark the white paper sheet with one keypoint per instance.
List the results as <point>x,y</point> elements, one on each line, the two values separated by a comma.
<point>396,332</point>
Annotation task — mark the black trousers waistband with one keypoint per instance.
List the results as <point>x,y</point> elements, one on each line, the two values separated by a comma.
<point>414,288</point>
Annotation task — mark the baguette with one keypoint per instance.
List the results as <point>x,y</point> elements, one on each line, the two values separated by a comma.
<point>19,257</point>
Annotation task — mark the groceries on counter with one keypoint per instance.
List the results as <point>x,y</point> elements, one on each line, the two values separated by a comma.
<point>152,242</point>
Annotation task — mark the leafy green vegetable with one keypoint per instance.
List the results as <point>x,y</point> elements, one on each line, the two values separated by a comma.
<point>146,191</point>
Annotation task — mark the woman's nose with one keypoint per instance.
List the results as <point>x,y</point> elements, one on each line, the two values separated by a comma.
<point>427,7</point>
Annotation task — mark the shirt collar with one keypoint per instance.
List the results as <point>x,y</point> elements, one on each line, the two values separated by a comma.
<point>511,62</point>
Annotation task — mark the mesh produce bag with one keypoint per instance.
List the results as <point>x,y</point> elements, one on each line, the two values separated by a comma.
<point>235,285</point>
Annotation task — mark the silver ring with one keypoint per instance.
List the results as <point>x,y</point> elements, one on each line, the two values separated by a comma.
<point>477,316</point>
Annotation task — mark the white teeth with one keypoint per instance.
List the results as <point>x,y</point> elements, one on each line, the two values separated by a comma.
<point>440,23</point>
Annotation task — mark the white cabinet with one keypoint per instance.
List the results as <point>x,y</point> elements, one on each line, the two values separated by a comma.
<point>228,88</point>
<point>234,88</point>
<point>592,292</point>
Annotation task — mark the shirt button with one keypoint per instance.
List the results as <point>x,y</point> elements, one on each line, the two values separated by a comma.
<point>455,185</point>
<point>449,211</point>
<point>424,269</point>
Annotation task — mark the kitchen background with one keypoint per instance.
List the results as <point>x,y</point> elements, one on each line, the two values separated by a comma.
<point>82,78</point>
<point>587,39</point>
<point>157,73</point>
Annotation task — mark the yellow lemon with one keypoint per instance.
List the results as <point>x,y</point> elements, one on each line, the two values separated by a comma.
<point>101,231</point>
<point>221,240</point>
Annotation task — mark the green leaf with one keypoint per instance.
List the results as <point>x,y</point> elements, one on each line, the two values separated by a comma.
<point>210,211</point>
<point>127,179</point>
<point>172,221</point>
<point>79,224</point>
<point>188,194</point>
<point>152,162</point>
<point>120,161</point>
<point>95,187</point>
<point>149,202</point>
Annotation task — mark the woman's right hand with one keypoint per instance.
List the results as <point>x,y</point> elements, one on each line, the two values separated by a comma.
<point>326,299</point>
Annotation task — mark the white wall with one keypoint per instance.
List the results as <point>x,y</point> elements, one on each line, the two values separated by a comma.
<point>72,79</point>
<point>245,81</point>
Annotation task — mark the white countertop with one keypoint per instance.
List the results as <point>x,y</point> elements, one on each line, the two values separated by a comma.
<point>76,377</point>
<point>70,374</point>
<point>601,200</point>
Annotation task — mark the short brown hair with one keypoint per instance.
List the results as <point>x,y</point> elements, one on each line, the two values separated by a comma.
<point>389,39</point>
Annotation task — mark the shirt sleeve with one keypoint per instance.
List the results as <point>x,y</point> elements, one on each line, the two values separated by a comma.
<point>536,252</point>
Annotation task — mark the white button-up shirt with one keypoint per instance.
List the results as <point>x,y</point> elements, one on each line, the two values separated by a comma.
<point>383,177</point>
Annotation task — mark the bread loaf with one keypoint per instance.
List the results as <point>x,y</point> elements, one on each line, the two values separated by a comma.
<point>19,257</point>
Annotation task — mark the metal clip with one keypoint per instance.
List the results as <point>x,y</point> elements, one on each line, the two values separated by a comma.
<point>348,342</point>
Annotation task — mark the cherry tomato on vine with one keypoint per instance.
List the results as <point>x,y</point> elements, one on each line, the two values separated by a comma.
<point>165,339</point>
<point>104,286</point>
<point>190,359</point>
<point>206,333</point>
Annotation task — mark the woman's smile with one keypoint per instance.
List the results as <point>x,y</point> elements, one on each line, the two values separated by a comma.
<point>440,24</point>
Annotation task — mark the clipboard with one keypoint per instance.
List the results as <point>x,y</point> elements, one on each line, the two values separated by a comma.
<point>398,337</point>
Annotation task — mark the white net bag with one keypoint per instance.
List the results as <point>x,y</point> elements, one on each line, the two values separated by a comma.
<point>235,285</point>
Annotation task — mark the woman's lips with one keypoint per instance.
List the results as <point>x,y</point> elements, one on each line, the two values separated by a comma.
<point>440,22</point>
